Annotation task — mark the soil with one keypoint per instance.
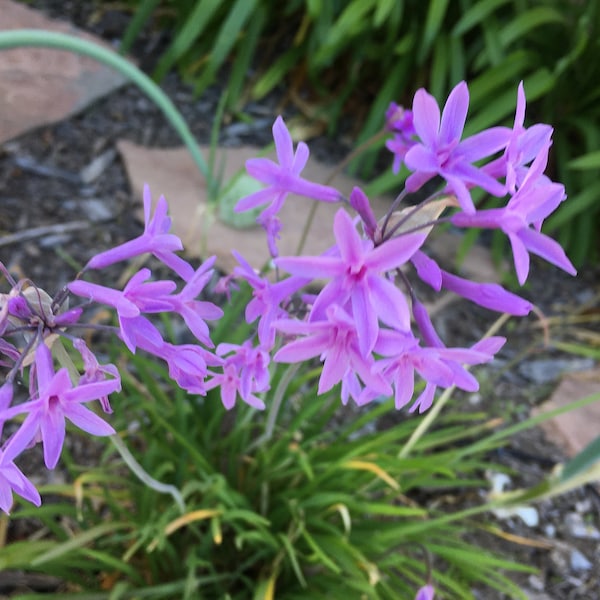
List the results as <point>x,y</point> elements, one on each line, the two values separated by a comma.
<point>40,187</point>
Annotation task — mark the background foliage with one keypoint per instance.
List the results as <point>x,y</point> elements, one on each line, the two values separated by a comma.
<point>340,59</point>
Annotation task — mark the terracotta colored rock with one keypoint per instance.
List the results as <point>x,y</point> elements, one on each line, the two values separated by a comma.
<point>574,430</point>
<point>39,86</point>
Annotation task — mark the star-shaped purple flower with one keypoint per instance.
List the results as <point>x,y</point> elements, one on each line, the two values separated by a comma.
<point>441,151</point>
<point>283,178</point>
<point>358,277</point>
<point>57,400</point>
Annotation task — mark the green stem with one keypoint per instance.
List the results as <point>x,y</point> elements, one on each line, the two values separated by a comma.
<point>278,396</point>
<point>47,39</point>
<point>313,209</point>
<point>143,476</point>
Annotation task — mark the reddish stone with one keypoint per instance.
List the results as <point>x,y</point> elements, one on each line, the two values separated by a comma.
<point>40,86</point>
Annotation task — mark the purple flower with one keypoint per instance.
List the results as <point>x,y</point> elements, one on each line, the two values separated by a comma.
<point>244,373</point>
<point>56,401</point>
<point>156,240</point>
<point>357,277</point>
<point>441,151</point>
<point>335,341</point>
<point>438,366</point>
<point>488,295</point>
<point>94,371</point>
<point>283,178</point>
<point>252,363</point>
<point>187,364</point>
<point>360,203</point>
<point>425,593</point>
<point>272,227</point>
<point>522,217</point>
<point>12,479</point>
<point>136,297</point>
<point>522,147</point>
<point>400,121</point>
<point>267,299</point>
<point>196,312</point>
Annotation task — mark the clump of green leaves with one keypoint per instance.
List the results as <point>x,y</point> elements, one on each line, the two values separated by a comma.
<point>354,57</point>
<point>288,504</point>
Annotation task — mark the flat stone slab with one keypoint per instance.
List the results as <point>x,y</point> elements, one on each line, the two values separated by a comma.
<point>40,86</point>
<point>574,430</point>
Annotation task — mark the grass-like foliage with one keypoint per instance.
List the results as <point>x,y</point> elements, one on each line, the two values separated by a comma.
<point>302,502</point>
<point>354,57</point>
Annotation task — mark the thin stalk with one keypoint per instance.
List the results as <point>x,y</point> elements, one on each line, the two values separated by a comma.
<point>284,382</point>
<point>49,39</point>
<point>313,209</point>
<point>143,476</point>
<point>435,410</point>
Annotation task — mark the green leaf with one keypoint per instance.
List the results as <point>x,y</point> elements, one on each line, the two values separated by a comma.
<point>78,541</point>
<point>475,15</point>
<point>433,24</point>
<point>588,458</point>
<point>586,162</point>
<point>588,199</point>
<point>521,25</point>
<point>383,9</point>
<point>228,35</point>
<point>195,24</point>
<point>348,25</point>
<point>275,74</point>
<point>141,15</point>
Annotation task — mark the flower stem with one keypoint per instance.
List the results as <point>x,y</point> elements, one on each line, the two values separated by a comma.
<point>313,209</point>
<point>143,476</point>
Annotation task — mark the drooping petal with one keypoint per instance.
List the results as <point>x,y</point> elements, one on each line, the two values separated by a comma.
<point>547,248</point>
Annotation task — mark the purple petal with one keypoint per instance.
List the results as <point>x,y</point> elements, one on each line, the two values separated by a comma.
<point>520,257</point>
<point>348,241</point>
<point>454,114</point>
<point>365,317</point>
<point>483,144</point>
<point>322,267</point>
<point>427,269</point>
<point>284,144</point>
<point>302,349</point>
<point>426,117</point>
<point>390,303</point>
<point>88,421</point>
<point>52,426</point>
<point>300,159</point>
<point>394,252</point>
<point>547,248</point>
<point>423,159</point>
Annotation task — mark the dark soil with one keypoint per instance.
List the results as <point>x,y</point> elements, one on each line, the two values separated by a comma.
<point>99,213</point>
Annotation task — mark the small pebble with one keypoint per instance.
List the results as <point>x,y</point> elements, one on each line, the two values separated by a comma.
<point>579,562</point>
<point>578,528</point>
<point>545,371</point>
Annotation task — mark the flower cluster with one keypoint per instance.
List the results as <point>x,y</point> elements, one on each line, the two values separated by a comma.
<point>353,307</point>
